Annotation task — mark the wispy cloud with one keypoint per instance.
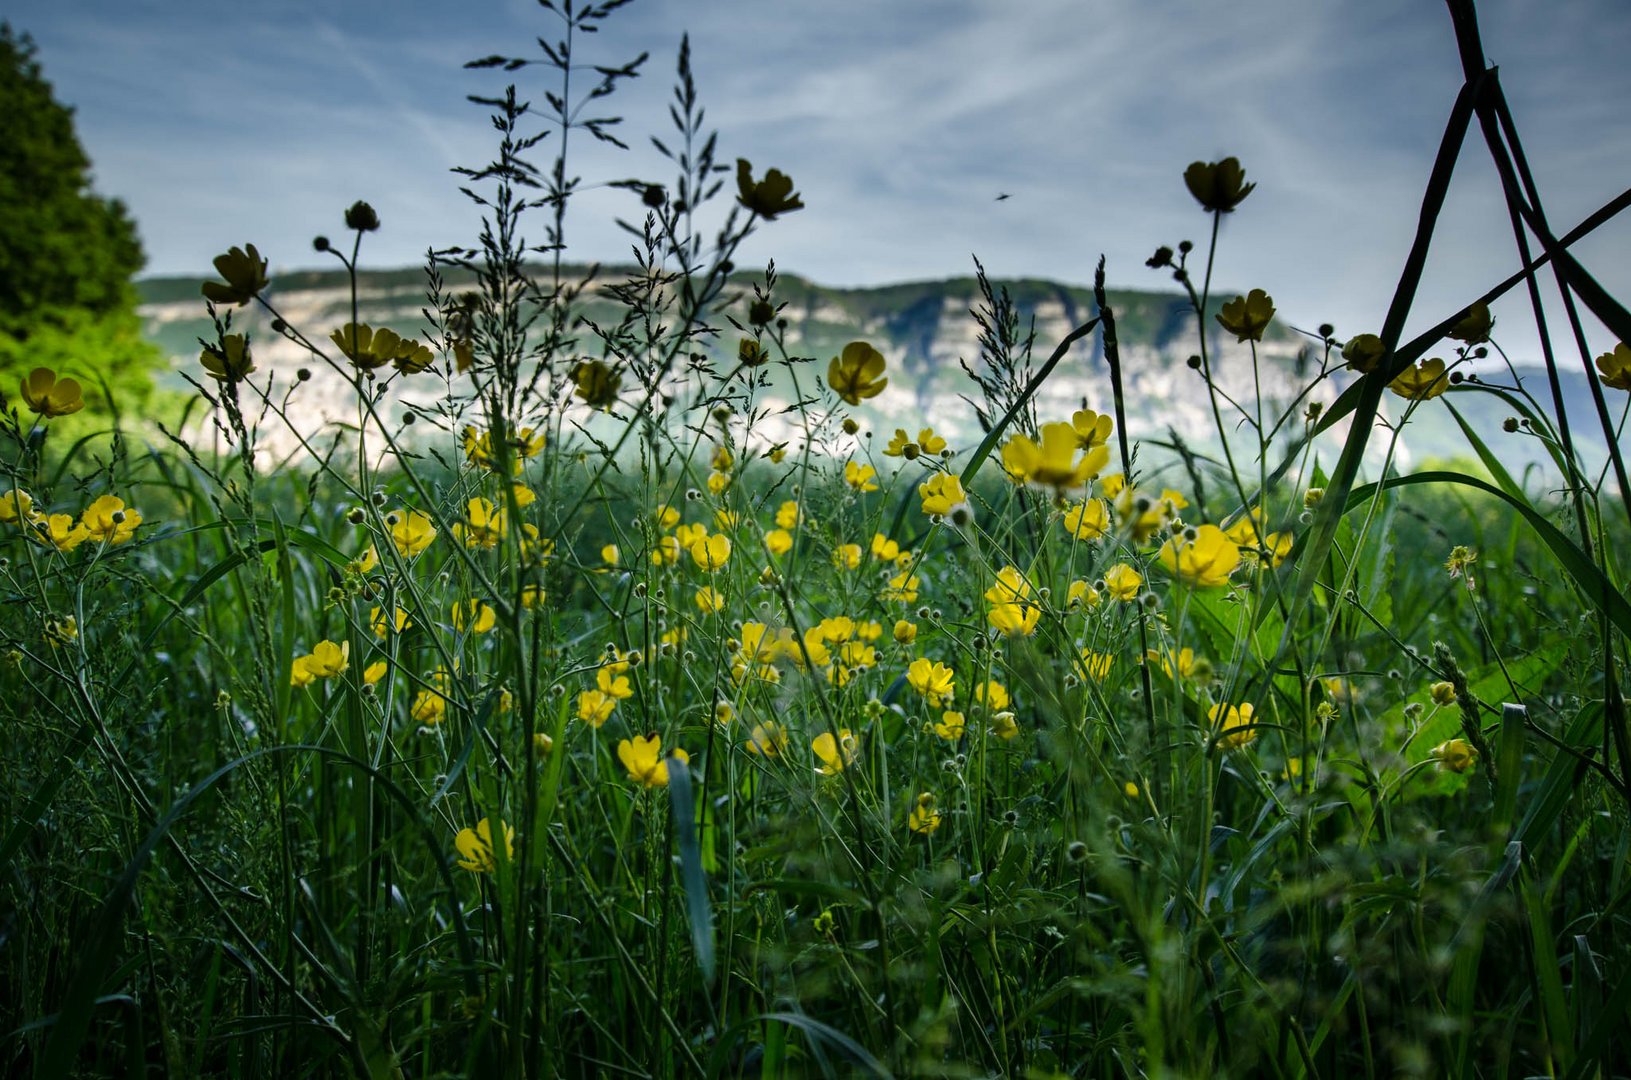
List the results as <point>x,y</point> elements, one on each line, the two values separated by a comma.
<point>901,122</point>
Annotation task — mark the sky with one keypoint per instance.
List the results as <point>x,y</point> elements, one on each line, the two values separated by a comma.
<point>900,122</point>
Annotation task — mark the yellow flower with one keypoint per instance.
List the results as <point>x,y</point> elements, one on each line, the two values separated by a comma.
<point>666,552</point>
<point>869,631</point>
<point>475,846</point>
<point>778,541</point>
<point>1615,367</point>
<point>951,725</point>
<point>611,681</point>
<point>50,396</point>
<point>1011,587</point>
<point>933,680</point>
<point>711,552</point>
<point>229,361</point>
<point>1474,325</point>
<point>902,588</point>
<point>1183,663</point>
<point>768,197</point>
<point>750,353</point>
<point>109,520</point>
<point>1130,790</point>
<point>300,672</point>
<point>929,442</point>
<point>1205,561</point>
<point>1422,382</point>
<point>1365,353</point>
<point>1443,693</point>
<point>368,348</point>
<point>860,477</point>
<point>905,632</point>
<point>17,508</point>
<point>244,274</point>
<point>59,531</point>
<point>924,818</point>
<point>1080,594</point>
<point>1092,429</point>
<point>597,384</point>
<point>1003,725</point>
<point>483,525</point>
<point>610,556</point>
<point>533,596</point>
<point>710,600</point>
<point>1233,726</point>
<point>411,531</point>
<point>787,515</point>
<point>1276,546</point>
<point>667,518</point>
<point>1094,665</point>
<point>1246,317</point>
<point>942,493</point>
<point>992,694</point>
<point>855,374</point>
<point>383,625</point>
<point>642,756</point>
<point>478,614</point>
<point>430,704</point>
<point>1123,582</point>
<point>1053,462</point>
<point>1015,620</point>
<point>60,632</point>
<point>834,753</point>
<point>374,672</point>
<point>883,548</point>
<point>1457,756</point>
<point>595,707</point>
<point>847,556</point>
<point>1218,185</point>
<point>718,483</point>
<point>768,739</point>
<point>1460,561</point>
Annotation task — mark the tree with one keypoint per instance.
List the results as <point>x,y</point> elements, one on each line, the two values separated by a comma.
<point>67,255</point>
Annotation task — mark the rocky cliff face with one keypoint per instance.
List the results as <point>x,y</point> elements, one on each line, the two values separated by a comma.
<point>925,329</point>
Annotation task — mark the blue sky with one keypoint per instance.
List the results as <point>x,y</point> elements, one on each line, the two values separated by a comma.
<point>900,121</point>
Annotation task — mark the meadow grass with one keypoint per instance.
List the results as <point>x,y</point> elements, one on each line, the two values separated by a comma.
<point>558,722</point>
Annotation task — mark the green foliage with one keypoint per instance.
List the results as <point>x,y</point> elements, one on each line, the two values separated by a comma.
<point>67,254</point>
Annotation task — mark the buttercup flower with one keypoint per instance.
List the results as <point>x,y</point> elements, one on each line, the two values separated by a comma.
<point>384,625</point>
<point>951,725</point>
<point>768,739</point>
<point>942,493</point>
<point>710,600</point>
<point>1015,620</point>
<point>1365,352</point>
<point>1474,325</point>
<point>1422,382</point>
<point>50,396</point>
<point>229,361</point>
<point>1087,520</point>
<point>475,846</point>
<point>108,519</point>
<point>1246,317</point>
<point>595,707</point>
<point>1094,665</point>
<point>847,556</point>
<point>992,694</point>
<point>1442,693</point>
<point>933,680</point>
<point>750,353</point>
<point>243,273</point>
<point>902,589</point>
<point>483,525</point>
<point>924,818</point>
<point>477,615</point>
<point>768,197</point>
<point>368,348</point>
<point>1053,462</point>
<point>1179,666</point>
<point>860,477</point>
<point>712,552</point>
<point>1456,755</point>
<point>1615,367</point>
<point>1204,562</point>
<point>597,384</point>
<point>905,631</point>
<point>411,531</point>
<point>1232,725</point>
<point>1218,185</point>
<point>642,756</point>
<point>1079,594</point>
<point>1123,582</point>
<point>778,541</point>
<point>59,531</point>
<point>17,508</point>
<point>857,373</point>
<point>1093,429</point>
<point>834,753</point>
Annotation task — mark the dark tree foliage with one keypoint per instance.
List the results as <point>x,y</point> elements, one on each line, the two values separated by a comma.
<point>67,254</point>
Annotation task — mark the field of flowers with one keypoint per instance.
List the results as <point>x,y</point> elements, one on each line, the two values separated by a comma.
<point>596,735</point>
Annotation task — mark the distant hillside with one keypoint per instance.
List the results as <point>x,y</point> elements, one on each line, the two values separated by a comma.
<point>924,328</point>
